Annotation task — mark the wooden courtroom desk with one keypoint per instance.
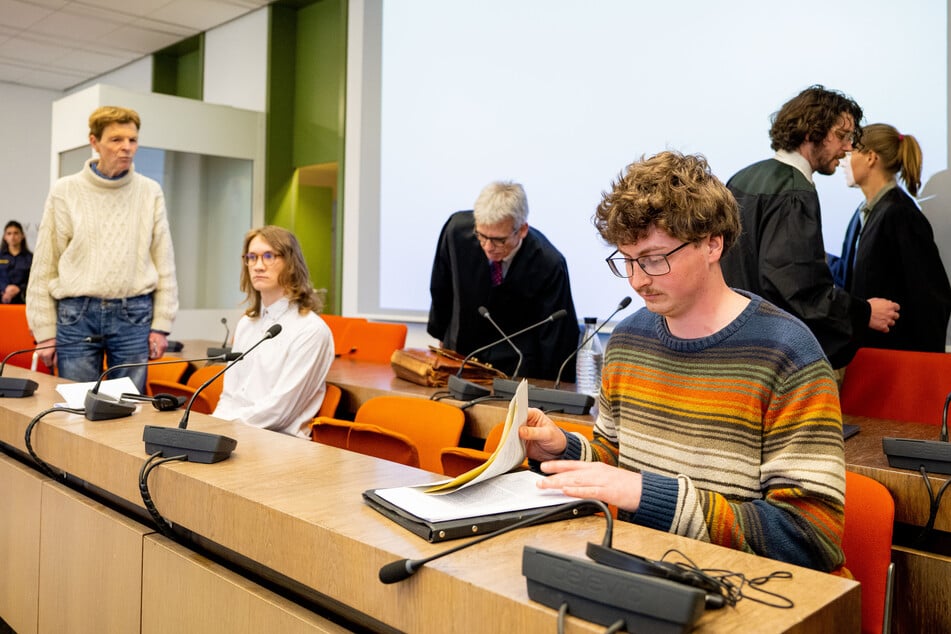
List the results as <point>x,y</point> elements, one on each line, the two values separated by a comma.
<point>292,510</point>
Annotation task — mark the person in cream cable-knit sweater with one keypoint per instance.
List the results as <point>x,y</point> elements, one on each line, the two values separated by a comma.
<point>104,264</point>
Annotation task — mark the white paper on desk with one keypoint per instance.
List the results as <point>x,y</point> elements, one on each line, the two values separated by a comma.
<point>514,491</point>
<point>75,393</point>
<point>508,455</point>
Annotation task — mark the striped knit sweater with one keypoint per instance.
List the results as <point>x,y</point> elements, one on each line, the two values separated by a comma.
<point>738,435</point>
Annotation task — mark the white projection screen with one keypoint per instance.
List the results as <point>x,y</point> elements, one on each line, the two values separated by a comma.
<point>445,96</point>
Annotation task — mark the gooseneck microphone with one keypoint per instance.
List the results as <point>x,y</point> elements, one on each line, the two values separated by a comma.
<point>463,390</point>
<point>225,348</point>
<point>396,571</point>
<point>18,388</point>
<point>197,446</point>
<point>624,303</point>
<point>485,313</point>
<point>104,407</point>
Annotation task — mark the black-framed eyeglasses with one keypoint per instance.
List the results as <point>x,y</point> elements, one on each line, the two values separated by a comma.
<point>652,265</point>
<point>267,258</point>
<point>496,241</point>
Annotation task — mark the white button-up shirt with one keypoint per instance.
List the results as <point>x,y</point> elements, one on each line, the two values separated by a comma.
<point>280,384</point>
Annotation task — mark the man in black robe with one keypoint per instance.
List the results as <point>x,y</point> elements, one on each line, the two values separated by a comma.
<point>780,254</point>
<point>490,257</point>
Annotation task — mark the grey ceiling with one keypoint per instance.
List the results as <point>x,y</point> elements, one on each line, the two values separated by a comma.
<point>57,44</point>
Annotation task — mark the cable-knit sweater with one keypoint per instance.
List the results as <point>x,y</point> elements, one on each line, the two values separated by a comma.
<point>102,238</point>
<point>738,435</point>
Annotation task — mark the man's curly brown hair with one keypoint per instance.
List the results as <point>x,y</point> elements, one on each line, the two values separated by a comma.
<point>677,193</point>
<point>809,116</point>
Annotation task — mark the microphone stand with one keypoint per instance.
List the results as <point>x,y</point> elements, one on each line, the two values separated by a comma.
<point>463,390</point>
<point>197,446</point>
<point>912,453</point>
<point>12,387</point>
<point>624,303</point>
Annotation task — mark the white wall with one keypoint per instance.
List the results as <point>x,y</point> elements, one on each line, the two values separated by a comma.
<point>236,63</point>
<point>24,178</point>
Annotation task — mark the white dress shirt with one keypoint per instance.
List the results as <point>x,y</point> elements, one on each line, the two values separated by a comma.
<point>280,384</point>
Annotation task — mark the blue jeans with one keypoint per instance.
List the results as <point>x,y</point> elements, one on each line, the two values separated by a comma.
<point>124,325</point>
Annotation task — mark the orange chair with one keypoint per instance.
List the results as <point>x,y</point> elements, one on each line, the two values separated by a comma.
<point>201,404</point>
<point>213,392</point>
<point>867,544</point>
<point>340,328</point>
<point>166,373</point>
<point>370,440</point>
<point>331,402</point>
<point>376,341</point>
<point>430,425</point>
<point>897,384</point>
<point>15,335</point>
<point>207,400</point>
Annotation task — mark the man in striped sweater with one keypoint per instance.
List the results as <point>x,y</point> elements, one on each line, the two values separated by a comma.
<point>719,414</point>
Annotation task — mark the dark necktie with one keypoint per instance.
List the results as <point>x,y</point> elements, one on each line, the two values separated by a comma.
<point>496,267</point>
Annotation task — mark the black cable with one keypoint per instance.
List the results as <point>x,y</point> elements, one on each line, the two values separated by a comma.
<point>27,439</point>
<point>935,504</point>
<point>733,592</point>
<point>155,460</point>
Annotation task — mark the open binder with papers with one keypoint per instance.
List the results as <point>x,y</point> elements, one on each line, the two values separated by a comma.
<point>487,498</point>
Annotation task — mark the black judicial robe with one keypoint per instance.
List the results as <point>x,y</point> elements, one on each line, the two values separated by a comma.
<point>897,259</point>
<point>535,286</point>
<point>781,257</point>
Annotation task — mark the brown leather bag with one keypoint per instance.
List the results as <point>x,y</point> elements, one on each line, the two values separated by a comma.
<point>432,367</point>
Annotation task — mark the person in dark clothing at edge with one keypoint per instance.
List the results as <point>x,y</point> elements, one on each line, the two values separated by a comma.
<point>780,254</point>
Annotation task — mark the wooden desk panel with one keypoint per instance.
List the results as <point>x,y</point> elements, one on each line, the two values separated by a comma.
<point>295,507</point>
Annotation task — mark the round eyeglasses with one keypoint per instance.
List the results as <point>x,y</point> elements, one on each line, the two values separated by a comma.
<point>495,241</point>
<point>652,265</point>
<point>267,258</point>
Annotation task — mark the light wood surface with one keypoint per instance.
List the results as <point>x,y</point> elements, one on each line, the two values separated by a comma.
<point>185,592</point>
<point>90,566</point>
<point>294,507</point>
<point>20,494</point>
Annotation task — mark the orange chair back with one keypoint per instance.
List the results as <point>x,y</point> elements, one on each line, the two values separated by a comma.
<point>213,392</point>
<point>201,403</point>
<point>332,397</point>
<point>867,544</point>
<point>15,335</point>
<point>376,341</point>
<point>369,440</point>
<point>897,385</point>
<point>431,425</point>
<point>341,328</point>
<point>167,372</point>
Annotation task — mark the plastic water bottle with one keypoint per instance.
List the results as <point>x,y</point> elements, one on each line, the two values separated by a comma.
<point>590,359</point>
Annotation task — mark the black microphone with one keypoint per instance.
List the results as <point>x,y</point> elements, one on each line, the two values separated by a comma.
<point>104,407</point>
<point>624,303</point>
<point>396,571</point>
<point>463,390</point>
<point>197,446</point>
<point>18,388</point>
<point>485,313</point>
<point>225,348</point>
<point>913,453</point>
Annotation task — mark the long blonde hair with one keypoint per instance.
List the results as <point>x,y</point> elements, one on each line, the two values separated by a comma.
<point>294,279</point>
<point>898,152</point>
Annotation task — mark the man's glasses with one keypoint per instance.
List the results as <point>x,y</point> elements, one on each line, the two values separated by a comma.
<point>652,265</point>
<point>495,241</point>
<point>845,134</point>
<point>267,258</point>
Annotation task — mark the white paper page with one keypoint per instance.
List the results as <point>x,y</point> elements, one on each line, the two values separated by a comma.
<point>508,455</point>
<point>507,492</point>
<point>75,393</point>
